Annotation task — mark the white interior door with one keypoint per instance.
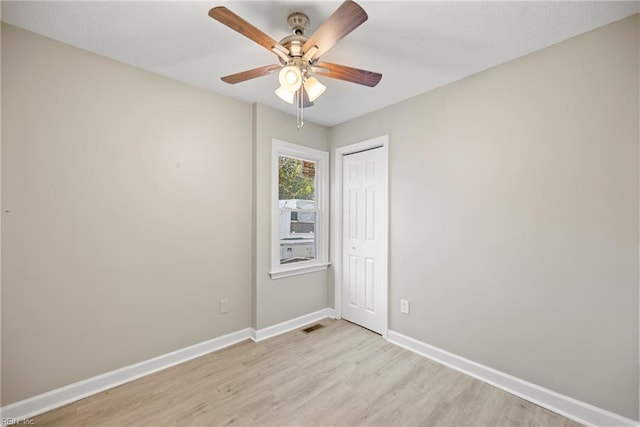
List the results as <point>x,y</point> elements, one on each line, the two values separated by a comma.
<point>364,240</point>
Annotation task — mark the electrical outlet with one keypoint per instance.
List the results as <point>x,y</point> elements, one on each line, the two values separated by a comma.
<point>404,306</point>
<point>224,306</point>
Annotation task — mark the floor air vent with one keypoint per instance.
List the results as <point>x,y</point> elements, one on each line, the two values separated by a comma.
<point>312,328</point>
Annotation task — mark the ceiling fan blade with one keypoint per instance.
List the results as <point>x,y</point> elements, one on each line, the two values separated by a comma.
<point>233,21</point>
<point>345,19</point>
<point>250,74</point>
<point>342,72</point>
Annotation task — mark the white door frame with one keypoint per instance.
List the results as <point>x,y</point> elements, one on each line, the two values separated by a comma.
<point>381,143</point>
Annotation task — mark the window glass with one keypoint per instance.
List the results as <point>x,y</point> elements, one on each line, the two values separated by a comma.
<point>298,209</point>
<point>299,215</point>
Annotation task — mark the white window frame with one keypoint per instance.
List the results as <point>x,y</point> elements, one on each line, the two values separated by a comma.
<point>321,158</point>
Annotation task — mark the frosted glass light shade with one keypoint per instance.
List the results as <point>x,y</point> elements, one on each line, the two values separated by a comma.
<point>290,78</point>
<point>314,88</point>
<point>285,95</point>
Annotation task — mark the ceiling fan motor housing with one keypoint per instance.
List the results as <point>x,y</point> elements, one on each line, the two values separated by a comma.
<point>298,22</point>
<point>294,44</point>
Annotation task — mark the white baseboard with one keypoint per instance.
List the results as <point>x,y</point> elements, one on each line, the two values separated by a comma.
<point>24,409</point>
<point>20,411</point>
<point>569,407</point>
<point>290,325</point>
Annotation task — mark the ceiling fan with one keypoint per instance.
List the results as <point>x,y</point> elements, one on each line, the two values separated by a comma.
<point>299,55</point>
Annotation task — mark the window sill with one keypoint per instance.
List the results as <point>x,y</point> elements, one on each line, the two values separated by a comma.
<point>303,269</point>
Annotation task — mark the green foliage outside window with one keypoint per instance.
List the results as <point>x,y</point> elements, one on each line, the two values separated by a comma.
<point>292,183</point>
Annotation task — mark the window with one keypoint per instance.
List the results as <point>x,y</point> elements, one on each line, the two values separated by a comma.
<point>299,219</point>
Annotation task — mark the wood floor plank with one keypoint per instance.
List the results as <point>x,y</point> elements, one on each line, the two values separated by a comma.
<point>337,375</point>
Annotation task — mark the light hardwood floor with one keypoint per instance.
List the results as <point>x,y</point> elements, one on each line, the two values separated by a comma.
<point>337,375</point>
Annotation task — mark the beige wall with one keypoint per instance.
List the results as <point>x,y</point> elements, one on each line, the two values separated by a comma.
<point>0,215</point>
<point>514,216</point>
<point>130,201</point>
<point>282,299</point>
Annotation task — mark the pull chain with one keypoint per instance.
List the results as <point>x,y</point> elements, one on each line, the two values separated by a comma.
<point>300,109</point>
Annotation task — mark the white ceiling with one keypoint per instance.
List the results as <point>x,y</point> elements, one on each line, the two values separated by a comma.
<point>416,45</point>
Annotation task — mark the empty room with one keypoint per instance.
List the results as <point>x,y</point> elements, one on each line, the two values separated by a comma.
<point>320,213</point>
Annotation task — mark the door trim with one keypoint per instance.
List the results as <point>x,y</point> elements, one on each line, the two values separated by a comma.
<point>382,143</point>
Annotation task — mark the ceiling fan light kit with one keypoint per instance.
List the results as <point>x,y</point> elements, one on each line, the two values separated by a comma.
<point>314,88</point>
<point>285,95</point>
<point>290,78</point>
<point>299,55</point>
